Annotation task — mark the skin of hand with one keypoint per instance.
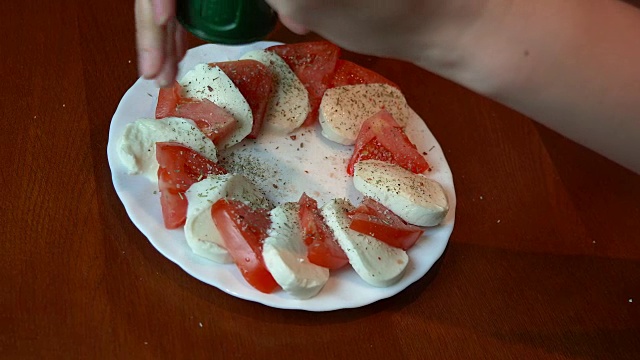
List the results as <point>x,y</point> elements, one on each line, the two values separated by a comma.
<point>160,40</point>
<point>571,65</point>
<point>398,29</point>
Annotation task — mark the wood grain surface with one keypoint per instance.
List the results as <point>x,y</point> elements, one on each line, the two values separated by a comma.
<point>543,263</point>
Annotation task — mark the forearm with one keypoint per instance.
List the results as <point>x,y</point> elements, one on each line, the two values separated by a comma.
<point>572,65</point>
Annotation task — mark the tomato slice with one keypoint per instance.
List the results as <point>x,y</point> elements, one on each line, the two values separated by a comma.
<point>348,73</point>
<point>168,99</point>
<point>314,63</point>
<point>373,150</point>
<point>374,219</point>
<point>214,121</point>
<point>322,247</point>
<point>382,138</point>
<point>243,230</point>
<point>255,82</point>
<point>180,167</point>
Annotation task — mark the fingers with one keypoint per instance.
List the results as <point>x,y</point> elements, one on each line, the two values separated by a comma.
<point>160,40</point>
<point>293,26</point>
<point>169,69</point>
<point>285,9</point>
<point>149,39</point>
<point>181,42</point>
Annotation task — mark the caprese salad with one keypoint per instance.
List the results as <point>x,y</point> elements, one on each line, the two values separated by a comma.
<point>295,245</point>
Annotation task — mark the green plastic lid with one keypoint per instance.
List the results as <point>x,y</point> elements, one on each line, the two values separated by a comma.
<point>226,21</point>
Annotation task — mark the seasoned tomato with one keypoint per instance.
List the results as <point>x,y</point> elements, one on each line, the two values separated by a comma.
<point>314,63</point>
<point>374,219</point>
<point>168,99</point>
<point>373,150</point>
<point>255,82</point>
<point>348,73</point>
<point>215,122</point>
<point>180,167</point>
<point>243,230</point>
<point>322,247</point>
<point>382,138</point>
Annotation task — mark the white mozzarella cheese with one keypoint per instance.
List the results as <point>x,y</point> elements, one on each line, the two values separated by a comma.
<point>200,230</point>
<point>137,145</point>
<point>285,255</point>
<point>417,199</point>
<point>373,260</point>
<point>289,104</point>
<point>343,109</point>
<point>211,83</point>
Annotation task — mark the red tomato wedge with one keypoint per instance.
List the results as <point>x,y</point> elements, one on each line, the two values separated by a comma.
<point>322,247</point>
<point>215,122</point>
<point>314,63</point>
<point>180,167</point>
<point>348,73</point>
<point>382,138</point>
<point>373,150</point>
<point>168,99</point>
<point>243,230</point>
<point>255,82</point>
<point>374,219</point>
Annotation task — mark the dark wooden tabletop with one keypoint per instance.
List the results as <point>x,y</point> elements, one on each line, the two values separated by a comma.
<point>543,262</point>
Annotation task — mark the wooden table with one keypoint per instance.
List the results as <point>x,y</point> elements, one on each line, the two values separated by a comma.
<point>544,260</point>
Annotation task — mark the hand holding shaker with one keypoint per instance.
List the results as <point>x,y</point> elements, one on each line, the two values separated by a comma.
<point>226,21</point>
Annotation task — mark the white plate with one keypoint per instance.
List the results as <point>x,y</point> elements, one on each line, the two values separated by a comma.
<point>318,168</point>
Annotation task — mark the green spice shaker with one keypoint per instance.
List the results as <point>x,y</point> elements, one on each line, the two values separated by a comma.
<point>226,21</point>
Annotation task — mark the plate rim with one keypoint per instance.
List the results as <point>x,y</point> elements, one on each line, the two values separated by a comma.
<point>295,304</point>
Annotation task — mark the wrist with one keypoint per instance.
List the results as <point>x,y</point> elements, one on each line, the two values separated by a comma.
<point>473,45</point>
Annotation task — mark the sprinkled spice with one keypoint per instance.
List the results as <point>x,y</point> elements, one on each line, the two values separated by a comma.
<point>255,169</point>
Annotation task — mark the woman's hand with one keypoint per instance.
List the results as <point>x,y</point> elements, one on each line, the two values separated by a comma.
<point>160,40</point>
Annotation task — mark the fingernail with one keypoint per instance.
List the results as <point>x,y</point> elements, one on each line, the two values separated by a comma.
<point>160,13</point>
<point>162,81</point>
<point>165,78</point>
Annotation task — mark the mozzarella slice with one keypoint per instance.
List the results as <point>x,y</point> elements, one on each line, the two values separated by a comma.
<point>289,104</point>
<point>200,230</point>
<point>343,109</point>
<point>211,83</point>
<point>373,260</point>
<point>137,145</point>
<point>285,255</point>
<point>417,199</point>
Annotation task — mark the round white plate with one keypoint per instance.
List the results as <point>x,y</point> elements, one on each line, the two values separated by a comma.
<point>288,165</point>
